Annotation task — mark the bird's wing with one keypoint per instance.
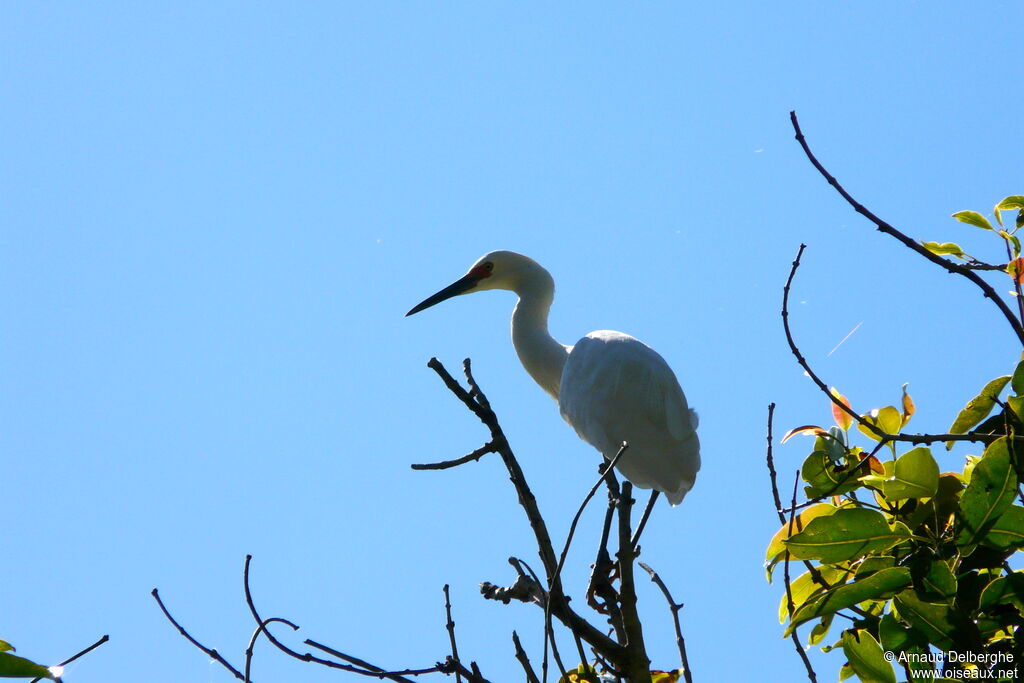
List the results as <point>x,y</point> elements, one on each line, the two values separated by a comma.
<point>614,386</point>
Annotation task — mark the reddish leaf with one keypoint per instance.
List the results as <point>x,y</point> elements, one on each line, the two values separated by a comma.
<point>1016,270</point>
<point>810,430</point>
<point>908,406</point>
<point>843,419</point>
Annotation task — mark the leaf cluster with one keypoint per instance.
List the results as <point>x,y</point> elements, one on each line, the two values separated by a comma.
<point>914,559</point>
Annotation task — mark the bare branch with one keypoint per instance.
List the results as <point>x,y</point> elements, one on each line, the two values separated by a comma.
<point>450,625</point>
<point>252,642</point>
<point>477,403</point>
<point>771,466</point>
<point>673,607</point>
<point>79,654</point>
<point>871,427</point>
<point>789,590</point>
<point>210,652</point>
<point>531,675</point>
<point>884,227</point>
<point>637,664</point>
<point>643,520</point>
<point>363,668</point>
<point>488,447</point>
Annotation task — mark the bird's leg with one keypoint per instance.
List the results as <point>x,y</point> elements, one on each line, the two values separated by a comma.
<point>643,522</point>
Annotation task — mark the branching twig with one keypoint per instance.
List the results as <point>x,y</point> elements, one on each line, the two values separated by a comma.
<point>884,227</point>
<point>477,403</point>
<point>568,541</point>
<point>637,664</point>
<point>252,642</point>
<point>210,652</point>
<point>673,607</point>
<point>884,437</point>
<point>363,668</point>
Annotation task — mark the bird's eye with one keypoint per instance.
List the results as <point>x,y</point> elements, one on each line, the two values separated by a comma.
<point>489,266</point>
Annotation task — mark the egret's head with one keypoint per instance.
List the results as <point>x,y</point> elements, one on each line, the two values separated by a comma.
<point>496,270</point>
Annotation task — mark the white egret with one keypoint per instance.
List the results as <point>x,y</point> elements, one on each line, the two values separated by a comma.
<point>610,387</point>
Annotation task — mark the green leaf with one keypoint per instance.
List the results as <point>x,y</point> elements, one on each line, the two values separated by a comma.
<point>1006,589</point>
<point>866,657</point>
<point>990,493</point>
<point>896,638</point>
<point>973,218</point>
<point>820,472</point>
<point>881,584</point>
<point>1015,201</point>
<point>916,476</point>
<point>978,407</point>
<point>1017,381</point>
<point>806,586</point>
<point>13,666</point>
<point>944,249</point>
<point>845,535</point>
<point>870,565</point>
<point>938,623</point>
<point>1008,531</point>
<point>934,580</point>
<point>820,630</point>
<point>888,419</point>
<point>777,545</point>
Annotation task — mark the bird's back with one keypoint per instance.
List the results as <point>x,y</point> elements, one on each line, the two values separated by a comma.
<point>615,388</point>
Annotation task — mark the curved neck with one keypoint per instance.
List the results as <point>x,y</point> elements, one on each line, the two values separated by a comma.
<point>540,354</point>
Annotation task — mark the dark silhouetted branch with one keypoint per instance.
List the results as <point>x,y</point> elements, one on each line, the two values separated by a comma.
<point>477,403</point>
<point>911,244</point>
<point>789,590</point>
<point>636,665</point>
<point>883,436</point>
<point>771,467</point>
<point>673,607</point>
<point>82,653</point>
<point>252,642</point>
<point>450,625</point>
<point>531,675</point>
<point>210,652</point>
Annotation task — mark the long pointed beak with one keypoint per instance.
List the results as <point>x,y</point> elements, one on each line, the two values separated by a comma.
<point>460,286</point>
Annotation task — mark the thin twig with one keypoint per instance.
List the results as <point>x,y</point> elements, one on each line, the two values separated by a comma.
<point>789,590</point>
<point>450,625</point>
<point>362,668</point>
<point>552,580</point>
<point>488,447</point>
<point>673,607</point>
<point>210,652</point>
<point>771,466</point>
<point>78,654</point>
<point>476,402</point>
<point>252,642</point>
<point>643,520</point>
<point>870,426</point>
<point>524,660</point>
<point>884,227</point>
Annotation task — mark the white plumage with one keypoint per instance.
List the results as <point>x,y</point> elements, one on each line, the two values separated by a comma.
<point>610,387</point>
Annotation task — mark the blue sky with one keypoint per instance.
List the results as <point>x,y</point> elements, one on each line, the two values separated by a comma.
<point>216,214</point>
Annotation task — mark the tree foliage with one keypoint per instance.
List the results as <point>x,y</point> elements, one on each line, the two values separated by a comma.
<point>917,563</point>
